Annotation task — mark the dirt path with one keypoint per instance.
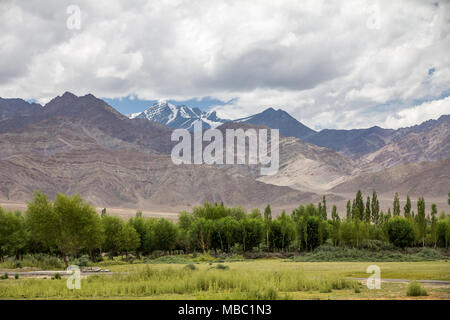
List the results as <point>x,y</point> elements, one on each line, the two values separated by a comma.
<point>430,282</point>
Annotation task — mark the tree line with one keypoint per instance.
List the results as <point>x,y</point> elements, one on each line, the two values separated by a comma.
<point>70,227</point>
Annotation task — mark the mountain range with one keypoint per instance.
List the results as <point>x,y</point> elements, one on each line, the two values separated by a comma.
<point>82,144</point>
<point>385,146</point>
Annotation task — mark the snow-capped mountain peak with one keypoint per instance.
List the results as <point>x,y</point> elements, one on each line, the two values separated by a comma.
<point>180,116</point>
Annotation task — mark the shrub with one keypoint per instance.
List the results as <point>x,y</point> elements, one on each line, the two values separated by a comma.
<point>16,276</point>
<point>325,289</point>
<point>190,266</point>
<point>167,260</point>
<point>415,290</point>
<point>57,276</point>
<point>5,276</point>
<point>222,267</point>
<point>83,261</point>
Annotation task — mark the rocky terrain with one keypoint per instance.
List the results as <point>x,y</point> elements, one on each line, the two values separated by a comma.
<point>80,144</point>
<point>415,179</point>
<point>83,145</point>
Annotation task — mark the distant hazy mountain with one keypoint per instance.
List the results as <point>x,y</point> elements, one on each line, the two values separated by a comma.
<point>279,119</point>
<point>428,141</point>
<point>13,108</point>
<point>353,143</point>
<point>423,142</point>
<point>415,179</point>
<point>179,117</point>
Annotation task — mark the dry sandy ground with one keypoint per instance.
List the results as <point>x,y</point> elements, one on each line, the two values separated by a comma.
<point>125,213</point>
<point>172,212</point>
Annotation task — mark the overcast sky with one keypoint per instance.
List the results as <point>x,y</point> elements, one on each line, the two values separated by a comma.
<point>331,64</point>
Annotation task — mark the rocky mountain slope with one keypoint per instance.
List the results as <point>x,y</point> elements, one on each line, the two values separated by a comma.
<point>415,179</point>
<point>14,108</point>
<point>429,141</point>
<point>279,119</point>
<point>80,144</point>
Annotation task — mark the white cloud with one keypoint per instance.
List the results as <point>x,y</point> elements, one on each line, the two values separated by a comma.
<point>330,64</point>
<point>411,116</point>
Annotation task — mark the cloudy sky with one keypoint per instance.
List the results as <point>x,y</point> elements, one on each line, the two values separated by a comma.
<point>331,64</point>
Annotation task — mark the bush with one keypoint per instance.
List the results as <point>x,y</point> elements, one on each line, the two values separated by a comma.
<point>190,266</point>
<point>5,276</point>
<point>222,267</point>
<point>331,253</point>
<point>415,290</point>
<point>16,276</point>
<point>57,276</point>
<point>167,260</point>
<point>39,260</point>
<point>83,261</point>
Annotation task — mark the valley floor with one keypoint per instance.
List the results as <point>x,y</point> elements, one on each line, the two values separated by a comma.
<point>247,279</point>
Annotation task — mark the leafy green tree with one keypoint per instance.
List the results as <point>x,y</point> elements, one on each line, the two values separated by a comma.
<point>334,214</point>
<point>252,231</point>
<point>66,224</point>
<point>396,205</point>
<point>142,227</point>
<point>359,203</point>
<point>346,233</point>
<point>287,230</point>
<point>367,214</point>
<point>375,208</point>
<point>13,235</point>
<point>443,233</point>
<point>434,220</point>
<point>255,214</point>
<point>349,210</point>
<point>407,207</point>
<point>230,231</point>
<point>165,234</point>
<point>96,235</point>
<point>267,224</point>
<point>129,239</point>
<point>112,227</point>
<point>421,219</point>
<point>400,232</point>
<point>324,208</point>
<point>311,233</point>
<point>201,233</point>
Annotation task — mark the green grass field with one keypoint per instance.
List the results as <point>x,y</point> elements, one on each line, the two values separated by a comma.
<point>249,279</point>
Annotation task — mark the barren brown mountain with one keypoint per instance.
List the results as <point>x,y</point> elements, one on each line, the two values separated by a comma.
<point>415,179</point>
<point>428,142</point>
<point>81,145</point>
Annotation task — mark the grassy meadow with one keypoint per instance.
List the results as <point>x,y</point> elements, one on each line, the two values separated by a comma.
<point>241,279</point>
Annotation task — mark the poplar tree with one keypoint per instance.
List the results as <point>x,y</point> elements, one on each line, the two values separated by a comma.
<point>367,211</point>
<point>407,207</point>
<point>434,224</point>
<point>267,223</point>
<point>421,220</point>
<point>324,208</point>
<point>359,202</point>
<point>375,208</point>
<point>349,210</point>
<point>396,205</point>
